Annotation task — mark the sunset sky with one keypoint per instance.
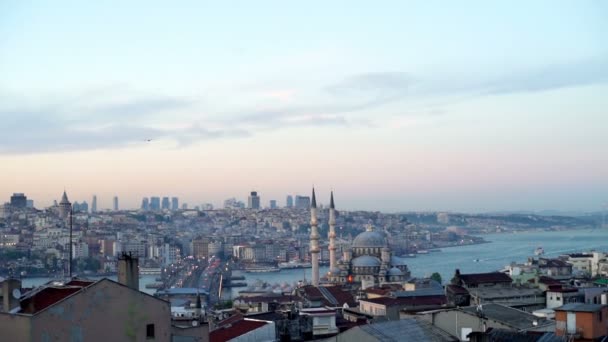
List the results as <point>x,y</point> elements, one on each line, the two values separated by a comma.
<point>397,106</point>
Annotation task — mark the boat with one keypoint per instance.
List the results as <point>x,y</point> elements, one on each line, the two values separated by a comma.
<point>423,251</point>
<point>263,269</point>
<point>476,260</point>
<point>294,264</point>
<point>149,270</point>
<point>156,285</point>
<point>539,251</point>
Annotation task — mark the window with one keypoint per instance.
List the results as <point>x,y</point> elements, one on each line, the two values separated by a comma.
<point>150,331</point>
<point>558,298</point>
<point>600,314</point>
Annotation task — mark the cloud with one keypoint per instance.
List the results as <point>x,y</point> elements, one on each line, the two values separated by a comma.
<point>105,118</point>
<point>580,73</point>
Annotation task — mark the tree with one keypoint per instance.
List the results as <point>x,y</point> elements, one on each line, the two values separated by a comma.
<point>436,277</point>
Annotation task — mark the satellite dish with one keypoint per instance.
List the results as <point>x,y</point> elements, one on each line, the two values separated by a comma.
<point>16,293</point>
<point>195,323</point>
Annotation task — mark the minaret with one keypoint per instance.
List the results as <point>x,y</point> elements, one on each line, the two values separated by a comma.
<point>333,267</point>
<point>314,240</point>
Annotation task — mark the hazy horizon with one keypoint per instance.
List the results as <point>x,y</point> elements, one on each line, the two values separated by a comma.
<point>399,106</point>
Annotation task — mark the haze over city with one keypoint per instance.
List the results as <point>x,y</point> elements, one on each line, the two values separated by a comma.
<point>400,107</point>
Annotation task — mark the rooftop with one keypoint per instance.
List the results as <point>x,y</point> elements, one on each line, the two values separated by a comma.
<point>394,331</point>
<point>481,278</point>
<point>581,307</point>
<point>235,329</point>
<point>506,315</point>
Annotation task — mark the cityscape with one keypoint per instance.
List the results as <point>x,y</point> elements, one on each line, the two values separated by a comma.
<point>333,171</point>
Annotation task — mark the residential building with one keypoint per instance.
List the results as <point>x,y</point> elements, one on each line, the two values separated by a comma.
<point>460,322</point>
<point>406,330</point>
<point>582,322</point>
<point>84,310</point>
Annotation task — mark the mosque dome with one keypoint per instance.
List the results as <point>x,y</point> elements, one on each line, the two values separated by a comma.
<point>395,272</point>
<point>366,261</point>
<point>397,261</point>
<point>369,238</point>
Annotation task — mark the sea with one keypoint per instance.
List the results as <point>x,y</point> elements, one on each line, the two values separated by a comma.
<point>501,250</point>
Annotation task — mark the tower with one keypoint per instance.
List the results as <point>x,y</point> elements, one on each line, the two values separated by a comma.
<point>333,266</point>
<point>115,203</point>
<point>314,240</point>
<point>64,206</point>
<point>94,204</point>
<point>254,200</point>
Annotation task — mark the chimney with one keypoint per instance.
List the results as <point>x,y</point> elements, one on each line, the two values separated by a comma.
<point>128,270</point>
<point>11,291</point>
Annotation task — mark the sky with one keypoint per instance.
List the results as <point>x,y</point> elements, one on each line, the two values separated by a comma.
<point>396,105</point>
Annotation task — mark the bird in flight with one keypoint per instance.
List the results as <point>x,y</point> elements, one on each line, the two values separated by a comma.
<point>148,140</point>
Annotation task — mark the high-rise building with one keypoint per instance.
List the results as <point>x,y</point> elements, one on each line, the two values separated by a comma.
<point>254,200</point>
<point>185,206</point>
<point>145,204</point>
<point>115,203</point>
<point>273,204</point>
<point>94,204</point>
<point>233,203</point>
<point>302,202</point>
<point>289,201</point>
<point>155,203</point>
<point>30,203</point>
<point>18,200</point>
<point>174,203</point>
<point>166,204</point>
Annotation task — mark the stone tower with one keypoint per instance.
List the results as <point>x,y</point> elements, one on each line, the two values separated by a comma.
<point>65,207</point>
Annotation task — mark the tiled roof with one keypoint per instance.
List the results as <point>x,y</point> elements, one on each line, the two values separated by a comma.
<point>548,280</point>
<point>46,297</point>
<point>236,329</point>
<point>455,289</point>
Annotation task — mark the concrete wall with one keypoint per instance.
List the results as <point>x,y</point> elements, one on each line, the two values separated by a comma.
<point>14,327</point>
<point>104,311</point>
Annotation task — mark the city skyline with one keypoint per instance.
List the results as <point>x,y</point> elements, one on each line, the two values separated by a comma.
<point>401,107</point>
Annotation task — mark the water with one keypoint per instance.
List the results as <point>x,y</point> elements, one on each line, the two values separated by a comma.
<point>503,249</point>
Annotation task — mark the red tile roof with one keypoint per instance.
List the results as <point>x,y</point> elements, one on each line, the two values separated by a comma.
<point>236,329</point>
<point>230,320</point>
<point>548,280</point>
<point>46,297</point>
<point>455,289</point>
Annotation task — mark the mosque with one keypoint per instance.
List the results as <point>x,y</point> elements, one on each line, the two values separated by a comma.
<point>368,261</point>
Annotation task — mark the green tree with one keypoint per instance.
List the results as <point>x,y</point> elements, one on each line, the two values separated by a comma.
<point>436,277</point>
